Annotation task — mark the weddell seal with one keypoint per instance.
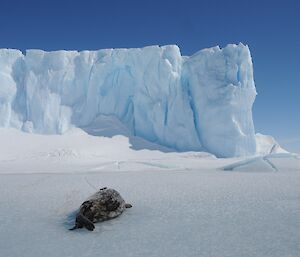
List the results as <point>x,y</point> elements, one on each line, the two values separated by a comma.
<point>106,204</point>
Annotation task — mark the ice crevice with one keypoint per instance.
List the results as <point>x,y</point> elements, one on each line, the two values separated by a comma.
<point>281,162</point>
<point>265,158</point>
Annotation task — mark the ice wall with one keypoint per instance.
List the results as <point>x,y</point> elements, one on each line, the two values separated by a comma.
<point>222,91</point>
<point>202,102</point>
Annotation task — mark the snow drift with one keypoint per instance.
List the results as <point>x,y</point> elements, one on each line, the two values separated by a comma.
<point>202,102</point>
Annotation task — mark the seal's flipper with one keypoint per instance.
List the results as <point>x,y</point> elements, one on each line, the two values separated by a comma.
<point>75,227</point>
<point>84,222</point>
<point>128,205</point>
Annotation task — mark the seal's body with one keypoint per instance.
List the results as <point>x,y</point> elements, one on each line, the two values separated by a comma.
<point>104,205</point>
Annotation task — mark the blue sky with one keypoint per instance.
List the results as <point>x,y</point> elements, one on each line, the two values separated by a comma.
<point>270,28</point>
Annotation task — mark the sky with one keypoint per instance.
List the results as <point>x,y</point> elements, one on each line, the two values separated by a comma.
<point>270,28</point>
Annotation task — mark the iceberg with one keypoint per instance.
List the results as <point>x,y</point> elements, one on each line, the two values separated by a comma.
<point>200,103</point>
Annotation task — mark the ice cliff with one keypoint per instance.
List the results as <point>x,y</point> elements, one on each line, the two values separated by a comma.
<point>201,102</point>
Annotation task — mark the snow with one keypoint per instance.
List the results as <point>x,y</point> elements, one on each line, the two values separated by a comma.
<point>77,151</point>
<point>184,203</point>
<point>196,103</point>
<point>213,215</point>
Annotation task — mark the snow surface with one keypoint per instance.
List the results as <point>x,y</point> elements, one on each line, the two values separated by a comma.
<point>201,102</point>
<point>184,204</point>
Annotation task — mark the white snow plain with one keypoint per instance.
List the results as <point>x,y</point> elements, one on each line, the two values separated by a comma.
<point>188,204</point>
<point>201,102</point>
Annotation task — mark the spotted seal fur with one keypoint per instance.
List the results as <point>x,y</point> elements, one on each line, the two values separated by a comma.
<point>106,204</point>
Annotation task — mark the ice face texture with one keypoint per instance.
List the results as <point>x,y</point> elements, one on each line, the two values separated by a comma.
<point>222,91</point>
<point>202,102</point>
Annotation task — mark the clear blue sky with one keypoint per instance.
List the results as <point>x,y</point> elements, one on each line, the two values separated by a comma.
<point>270,28</point>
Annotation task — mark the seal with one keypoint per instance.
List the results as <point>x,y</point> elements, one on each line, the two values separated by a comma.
<point>104,205</point>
